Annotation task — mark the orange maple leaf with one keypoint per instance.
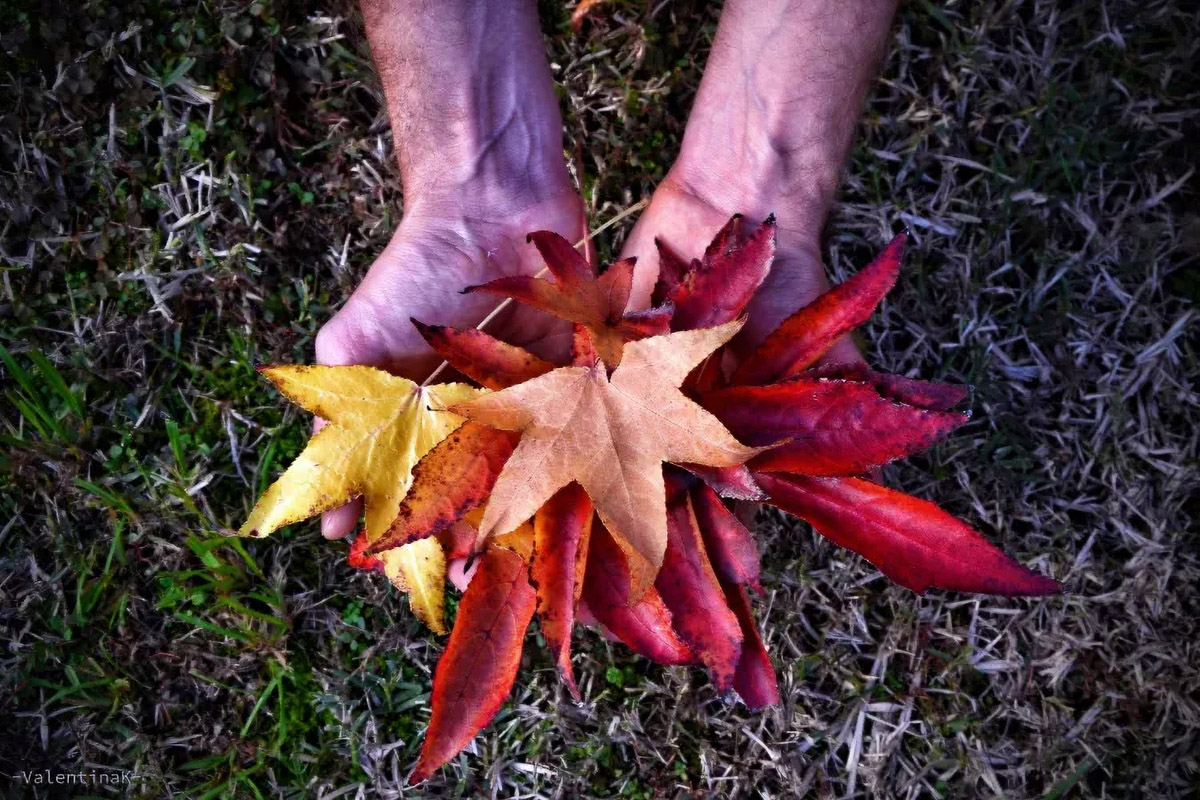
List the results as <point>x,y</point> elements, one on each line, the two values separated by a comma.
<point>611,435</point>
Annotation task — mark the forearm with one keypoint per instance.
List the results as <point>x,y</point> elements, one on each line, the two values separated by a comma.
<point>470,98</point>
<point>777,109</point>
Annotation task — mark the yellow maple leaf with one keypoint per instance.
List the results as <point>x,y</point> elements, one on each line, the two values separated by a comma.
<point>379,426</point>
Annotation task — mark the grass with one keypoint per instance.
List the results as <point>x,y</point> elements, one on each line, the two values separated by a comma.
<point>189,190</point>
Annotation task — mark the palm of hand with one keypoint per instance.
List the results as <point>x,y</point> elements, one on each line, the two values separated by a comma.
<point>686,223</point>
<point>421,274</point>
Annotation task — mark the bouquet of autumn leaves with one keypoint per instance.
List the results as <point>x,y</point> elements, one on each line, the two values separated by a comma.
<point>596,489</point>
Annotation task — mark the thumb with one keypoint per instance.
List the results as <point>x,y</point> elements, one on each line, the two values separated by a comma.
<point>342,342</point>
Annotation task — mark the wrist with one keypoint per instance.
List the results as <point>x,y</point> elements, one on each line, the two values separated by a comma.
<point>478,172</point>
<point>470,98</point>
<point>756,186</point>
<point>776,111</point>
<point>725,192</point>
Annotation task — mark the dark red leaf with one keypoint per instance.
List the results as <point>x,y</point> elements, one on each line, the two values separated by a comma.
<point>583,351</point>
<point>483,358</point>
<point>806,335</point>
<point>565,263</point>
<point>689,588</point>
<point>458,539</point>
<point>912,541</point>
<point>456,476</point>
<point>476,672</point>
<point>731,548</point>
<point>910,391</point>
<point>578,296</point>
<point>644,627</point>
<point>922,394</point>
<point>834,427</point>
<point>561,529</point>
<point>736,483</point>
<point>725,281</point>
<point>648,322</point>
<point>672,269</point>
<point>754,679</point>
<point>724,240</point>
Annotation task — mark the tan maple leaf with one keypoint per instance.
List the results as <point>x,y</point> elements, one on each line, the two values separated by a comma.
<point>379,426</point>
<point>611,435</point>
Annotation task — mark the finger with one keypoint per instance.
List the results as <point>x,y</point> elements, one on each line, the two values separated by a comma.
<point>338,523</point>
<point>460,574</point>
<point>336,346</point>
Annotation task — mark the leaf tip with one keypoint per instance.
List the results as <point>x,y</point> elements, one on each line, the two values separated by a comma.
<point>568,678</point>
<point>421,772</point>
<point>1043,586</point>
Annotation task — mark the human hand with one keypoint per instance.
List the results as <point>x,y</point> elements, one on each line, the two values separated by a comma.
<point>435,253</point>
<point>478,137</point>
<point>768,134</point>
<point>686,222</point>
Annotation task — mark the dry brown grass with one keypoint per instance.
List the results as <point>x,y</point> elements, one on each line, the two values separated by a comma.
<point>1043,157</point>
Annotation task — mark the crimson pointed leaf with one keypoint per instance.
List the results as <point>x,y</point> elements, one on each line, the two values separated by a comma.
<point>912,541</point>
<point>483,358</point>
<point>672,269</point>
<point>731,547</point>
<point>806,335</point>
<point>645,626</point>
<point>910,391</point>
<point>577,295</point>
<point>476,672</point>
<point>754,679</point>
<point>561,530</point>
<point>736,482</point>
<point>718,288</point>
<point>828,427</point>
<point>689,587</point>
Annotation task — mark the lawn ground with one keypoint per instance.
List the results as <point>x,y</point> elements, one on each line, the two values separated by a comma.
<point>188,190</point>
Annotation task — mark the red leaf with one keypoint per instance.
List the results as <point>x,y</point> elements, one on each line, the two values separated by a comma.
<point>718,288</point>
<point>922,394</point>
<point>454,477</point>
<point>730,546</point>
<point>483,358</point>
<point>754,680</point>
<point>561,529</point>
<point>579,296</point>
<point>689,588</point>
<point>672,269</point>
<point>358,557</point>
<point>476,673</point>
<point>912,541</point>
<point>806,335</point>
<point>834,427</point>
<point>736,482</point>
<point>566,264</point>
<point>458,539</point>
<point>647,322</point>
<point>910,391</point>
<point>726,239</point>
<point>644,627</point>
